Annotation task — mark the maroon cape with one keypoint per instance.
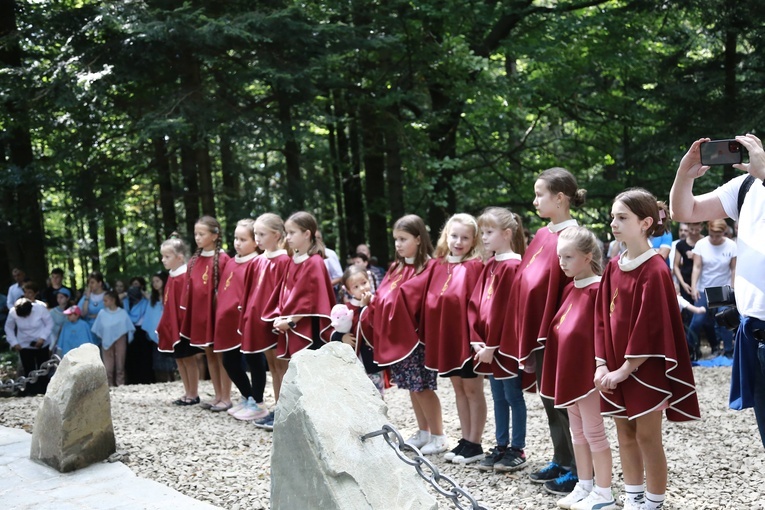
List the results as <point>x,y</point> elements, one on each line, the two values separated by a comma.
<point>199,301</point>
<point>487,312</point>
<point>570,348</point>
<point>169,327</point>
<point>389,323</point>
<point>534,299</point>
<point>306,291</point>
<point>443,319</point>
<point>261,280</point>
<point>228,305</point>
<point>637,316</point>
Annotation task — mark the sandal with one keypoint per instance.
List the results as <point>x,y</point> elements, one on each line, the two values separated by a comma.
<point>209,404</point>
<point>186,401</point>
<point>221,406</point>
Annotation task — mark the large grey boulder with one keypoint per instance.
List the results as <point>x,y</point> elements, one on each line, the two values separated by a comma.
<point>326,404</point>
<point>73,428</point>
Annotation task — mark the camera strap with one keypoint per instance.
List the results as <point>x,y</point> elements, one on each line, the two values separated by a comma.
<point>743,190</point>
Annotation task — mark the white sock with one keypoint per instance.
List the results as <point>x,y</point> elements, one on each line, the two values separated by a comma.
<point>634,493</point>
<point>654,501</point>
<point>604,491</point>
<point>586,484</point>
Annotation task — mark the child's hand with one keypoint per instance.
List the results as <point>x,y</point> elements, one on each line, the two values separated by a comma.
<point>702,310</point>
<point>366,298</point>
<point>612,379</point>
<point>350,340</point>
<point>483,354</point>
<point>600,373</point>
<point>686,288</point>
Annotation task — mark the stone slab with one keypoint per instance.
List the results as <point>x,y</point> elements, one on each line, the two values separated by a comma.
<point>29,485</point>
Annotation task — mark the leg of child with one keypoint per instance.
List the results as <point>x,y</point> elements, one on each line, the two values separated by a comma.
<point>419,413</point>
<point>108,357</point>
<point>501,412</point>
<point>595,434</point>
<point>631,457</point>
<point>473,388</point>
<point>430,406</point>
<point>220,380</point>
<point>463,406</point>
<point>257,364</point>
<point>514,396</point>
<point>120,354</point>
<point>232,363</point>
<point>649,440</point>
<point>187,367</point>
<point>581,447</point>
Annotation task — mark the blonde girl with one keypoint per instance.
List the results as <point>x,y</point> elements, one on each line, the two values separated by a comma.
<point>262,279</point>
<point>503,239</point>
<point>642,362</point>
<point>388,325</point>
<point>569,358</point>
<point>198,324</point>
<point>443,328</point>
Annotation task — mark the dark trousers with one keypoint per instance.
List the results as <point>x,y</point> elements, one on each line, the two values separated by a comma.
<point>32,359</point>
<point>557,420</point>
<point>233,362</point>
<point>139,360</point>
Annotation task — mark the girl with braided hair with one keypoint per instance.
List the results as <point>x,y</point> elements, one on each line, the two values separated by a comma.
<point>198,326</point>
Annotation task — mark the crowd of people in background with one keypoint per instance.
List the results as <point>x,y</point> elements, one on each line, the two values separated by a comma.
<point>596,329</point>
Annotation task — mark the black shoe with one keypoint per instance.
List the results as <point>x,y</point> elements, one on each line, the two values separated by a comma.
<point>494,456</point>
<point>562,485</point>
<point>471,452</point>
<point>550,472</point>
<point>513,460</point>
<point>449,456</point>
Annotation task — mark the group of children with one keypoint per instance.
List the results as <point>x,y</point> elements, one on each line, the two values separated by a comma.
<point>546,317</point>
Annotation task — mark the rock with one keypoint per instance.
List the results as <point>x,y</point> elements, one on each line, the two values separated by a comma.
<point>318,460</point>
<point>73,428</point>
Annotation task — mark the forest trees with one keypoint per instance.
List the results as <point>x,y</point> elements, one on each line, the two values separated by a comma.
<point>124,121</point>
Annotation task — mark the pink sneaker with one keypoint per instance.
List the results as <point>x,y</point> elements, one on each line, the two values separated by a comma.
<point>251,411</point>
<point>242,403</point>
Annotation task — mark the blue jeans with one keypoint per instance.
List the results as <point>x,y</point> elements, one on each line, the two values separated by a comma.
<point>508,396</point>
<point>747,387</point>
<point>712,330</point>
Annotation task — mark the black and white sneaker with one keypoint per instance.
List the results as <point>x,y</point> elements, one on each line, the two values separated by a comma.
<point>494,456</point>
<point>513,460</point>
<point>471,452</point>
<point>449,456</point>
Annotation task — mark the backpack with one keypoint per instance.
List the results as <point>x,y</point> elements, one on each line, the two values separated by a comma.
<point>743,190</point>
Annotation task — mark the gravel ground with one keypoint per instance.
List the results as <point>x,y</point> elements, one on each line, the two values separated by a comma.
<point>716,463</point>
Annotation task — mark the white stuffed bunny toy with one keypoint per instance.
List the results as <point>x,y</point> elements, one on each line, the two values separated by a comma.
<point>342,318</point>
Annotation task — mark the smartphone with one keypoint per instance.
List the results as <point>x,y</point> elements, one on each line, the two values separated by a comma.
<point>721,152</point>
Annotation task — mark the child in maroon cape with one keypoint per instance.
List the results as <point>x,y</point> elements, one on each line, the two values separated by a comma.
<point>387,322</point>
<point>262,278</point>
<point>227,340</point>
<point>357,282</point>
<point>443,328</point>
<point>300,308</point>
<point>534,300</point>
<point>643,366</point>
<point>501,234</point>
<point>569,359</point>
<point>174,252</point>
<point>198,325</point>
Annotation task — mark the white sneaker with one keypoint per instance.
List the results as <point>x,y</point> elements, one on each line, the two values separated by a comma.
<point>437,444</point>
<point>251,411</point>
<point>419,439</point>
<point>595,501</point>
<point>631,505</point>
<point>575,496</point>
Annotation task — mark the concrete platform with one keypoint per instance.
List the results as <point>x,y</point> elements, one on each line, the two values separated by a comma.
<point>26,484</point>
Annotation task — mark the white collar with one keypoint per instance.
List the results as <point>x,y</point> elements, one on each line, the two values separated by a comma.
<point>510,255</point>
<point>629,265</point>
<point>355,302</point>
<point>586,282</point>
<point>275,253</point>
<point>557,227</point>
<point>453,259</point>
<point>246,258</point>
<point>207,253</point>
<point>299,259</point>
<point>409,260</point>
<point>178,270</point>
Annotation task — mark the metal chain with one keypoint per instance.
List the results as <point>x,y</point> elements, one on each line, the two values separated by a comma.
<point>31,378</point>
<point>443,484</point>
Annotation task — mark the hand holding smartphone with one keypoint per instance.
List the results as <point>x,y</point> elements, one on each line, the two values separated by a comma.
<point>721,152</point>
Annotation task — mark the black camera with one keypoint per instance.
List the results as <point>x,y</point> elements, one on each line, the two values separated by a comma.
<point>724,296</point>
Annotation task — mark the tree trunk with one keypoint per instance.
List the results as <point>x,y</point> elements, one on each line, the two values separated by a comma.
<point>731,92</point>
<point>191,189</point>
<point>374,185</point>
<point>337,179</point>
<point>233,208</point>
<point>111,243</point>
<point>443,142</point>
<point>295,191</point>
<point>25,239</point>
<point>204,166</point>
<point>393,165</point>
<point>352,189</point>
<point>165,181</point>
